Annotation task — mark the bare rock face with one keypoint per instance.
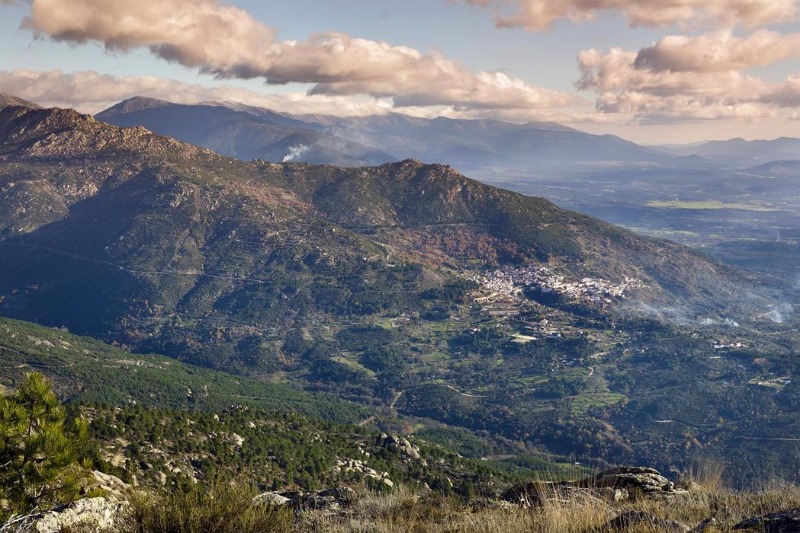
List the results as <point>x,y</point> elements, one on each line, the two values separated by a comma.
<point>780,522</point>
<point>271,499</point>
<point>88,514</point>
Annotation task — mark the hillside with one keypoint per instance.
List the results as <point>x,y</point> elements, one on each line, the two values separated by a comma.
<point>779,169</point>
<point>242,469</point>
<point>187,235</point>
<point>409,288</point>
<point>86,371</point>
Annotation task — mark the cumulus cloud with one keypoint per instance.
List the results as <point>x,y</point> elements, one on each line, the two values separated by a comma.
<point>786,94</point>
<point>718,51</point>
<point>91,92</point>
<point>620,70</point>
<point>203,34</point>
<point>229,43</point>
<point>541,14</point>
<point>692,78</point>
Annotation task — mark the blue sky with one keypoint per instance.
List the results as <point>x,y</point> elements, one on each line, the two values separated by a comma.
<point>649,70</point>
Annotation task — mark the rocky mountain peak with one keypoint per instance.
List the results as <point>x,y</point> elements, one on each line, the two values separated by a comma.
<point>56,132</point>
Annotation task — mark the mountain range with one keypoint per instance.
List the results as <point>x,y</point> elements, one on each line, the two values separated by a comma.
<point>489,148</point>
<point>249,133</point>
<point>187,231</point>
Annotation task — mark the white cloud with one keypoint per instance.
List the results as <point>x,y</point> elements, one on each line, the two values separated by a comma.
<point>91,92</point>
<point>617,70</point>
<point>202,34</point>
<point>541,14</point>
<point>229,43</point>
<point>718,51</point>
<point>686,79</point>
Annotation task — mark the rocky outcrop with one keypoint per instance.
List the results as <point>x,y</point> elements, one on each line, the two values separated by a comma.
<point>89,514</point>
<point>96,513</point>
<point>271,499</point>
<point>361,467</point>
<point>111,486</point>
<point>402,445</point>
<point>636,480</point>
<point>613,486</point>
<point>328,500</point>
<point>782,522</point>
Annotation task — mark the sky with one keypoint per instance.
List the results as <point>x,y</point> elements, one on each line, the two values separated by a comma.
<point>652,71</point>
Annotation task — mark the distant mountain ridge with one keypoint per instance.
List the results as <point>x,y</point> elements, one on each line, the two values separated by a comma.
<point>782,148</point>
<point>487,144</point>
<point>781,169</point>
<point>247,132</point>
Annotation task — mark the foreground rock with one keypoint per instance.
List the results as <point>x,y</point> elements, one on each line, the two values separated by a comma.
<point>781,522</point>
<point>614,485</point>
<point>634,479</point>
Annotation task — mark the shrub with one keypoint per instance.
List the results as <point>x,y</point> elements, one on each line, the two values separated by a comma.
<point>221,507</point>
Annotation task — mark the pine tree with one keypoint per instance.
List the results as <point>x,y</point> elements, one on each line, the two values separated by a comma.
<point>38,450</point>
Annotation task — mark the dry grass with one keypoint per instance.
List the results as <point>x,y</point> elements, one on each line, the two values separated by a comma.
<point>222,508</point>
<point>405,511</point>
